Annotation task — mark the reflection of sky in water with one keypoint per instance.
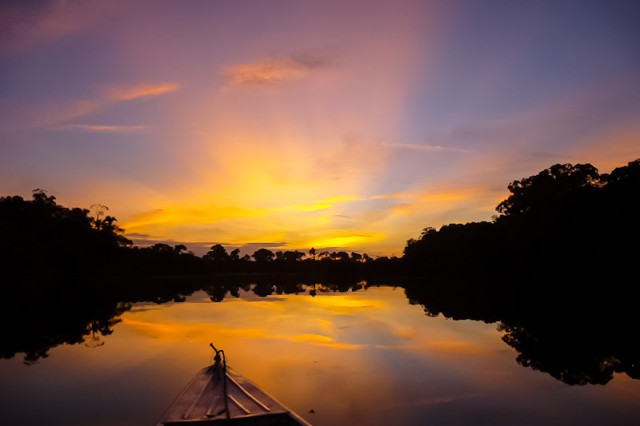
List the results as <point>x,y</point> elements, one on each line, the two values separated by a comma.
<point>364,357</point>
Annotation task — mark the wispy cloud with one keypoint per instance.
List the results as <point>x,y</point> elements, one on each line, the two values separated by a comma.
<point>434,200</point>
<point>322,204</point>
<point>138,91</point>
<point>276,70</point>
<point>392,196</point>
<point>48,113</point>
<point>249,246</point>
<point>104,128</point>
<point>139,235</point>
<point>28,23</point>
<point>421,147</point>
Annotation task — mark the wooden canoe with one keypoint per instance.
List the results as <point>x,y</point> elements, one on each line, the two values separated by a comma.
<point>203,402</point>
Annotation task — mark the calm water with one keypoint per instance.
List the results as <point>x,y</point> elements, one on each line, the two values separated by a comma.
<point>363,357</point>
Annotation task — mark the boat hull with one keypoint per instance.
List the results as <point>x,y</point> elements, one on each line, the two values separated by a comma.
<point>205,402</point>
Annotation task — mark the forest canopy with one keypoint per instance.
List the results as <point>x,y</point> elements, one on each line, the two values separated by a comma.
<point>566,221</point>
<point>555,269</point>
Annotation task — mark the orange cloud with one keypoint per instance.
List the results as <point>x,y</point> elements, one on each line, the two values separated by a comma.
<point>132,92</point>
<point>426,200</point>
<point>47,113</point>
<point>276,70</point>
<point>265,72</point>
<point>301,225</point>
<point>103,128</point>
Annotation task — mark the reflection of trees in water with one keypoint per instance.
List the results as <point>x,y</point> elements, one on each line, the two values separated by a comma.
<point>556,270</point>
<point>33,323</point>
<point>36,316</point>
<point>576,355</point>
<point>576,339</point>
<point>268,285</point>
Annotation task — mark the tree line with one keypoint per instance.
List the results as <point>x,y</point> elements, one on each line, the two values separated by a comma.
<point>39,237</point>
<point>568,220</point>
<point>567,223</point>
<point>556,269</point>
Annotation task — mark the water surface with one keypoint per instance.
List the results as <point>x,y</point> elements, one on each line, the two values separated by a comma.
<point>355,357</point>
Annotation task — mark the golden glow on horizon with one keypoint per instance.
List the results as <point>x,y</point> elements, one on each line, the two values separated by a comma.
<point>331,138</point>
<point>300,225</point>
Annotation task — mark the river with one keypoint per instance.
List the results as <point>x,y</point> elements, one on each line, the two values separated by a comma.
<point>362,356</point>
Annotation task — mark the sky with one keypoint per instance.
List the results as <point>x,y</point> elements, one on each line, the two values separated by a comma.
<point>292,124</point>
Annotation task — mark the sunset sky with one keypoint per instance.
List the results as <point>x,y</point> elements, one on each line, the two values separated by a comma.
<point>296,123</point>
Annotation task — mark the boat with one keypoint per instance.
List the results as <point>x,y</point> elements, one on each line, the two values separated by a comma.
<point>218,395</point>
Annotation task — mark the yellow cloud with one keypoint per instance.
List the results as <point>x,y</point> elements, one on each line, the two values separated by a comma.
<point>345,238</point>
<point>315,338</point>
<point>177,214</point>
<point>180,214</point>
<point>322,204</point>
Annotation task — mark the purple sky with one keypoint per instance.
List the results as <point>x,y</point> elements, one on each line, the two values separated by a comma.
<point>294,124</point>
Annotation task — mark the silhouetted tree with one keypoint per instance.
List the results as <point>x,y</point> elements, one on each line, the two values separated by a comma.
<point>548,187</point>
<point>235,255</point>
<point>263,255</point>
<point>564,241</point>
<point>342,256</point>
<point>217,254</point>
<point>162,248</point>
<point>292,256</point>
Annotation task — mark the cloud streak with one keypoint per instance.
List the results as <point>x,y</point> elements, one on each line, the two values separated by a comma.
<point>27,23</point>
<point>275,70</point>
<point>44,114</point>
<point>421,147</point>
<point>104,128</point>
<point>128,93</point>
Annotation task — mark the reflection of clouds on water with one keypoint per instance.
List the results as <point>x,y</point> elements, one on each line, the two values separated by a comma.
<point>371,320</point>
<point>250,296</point>
<point>355,357</point>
